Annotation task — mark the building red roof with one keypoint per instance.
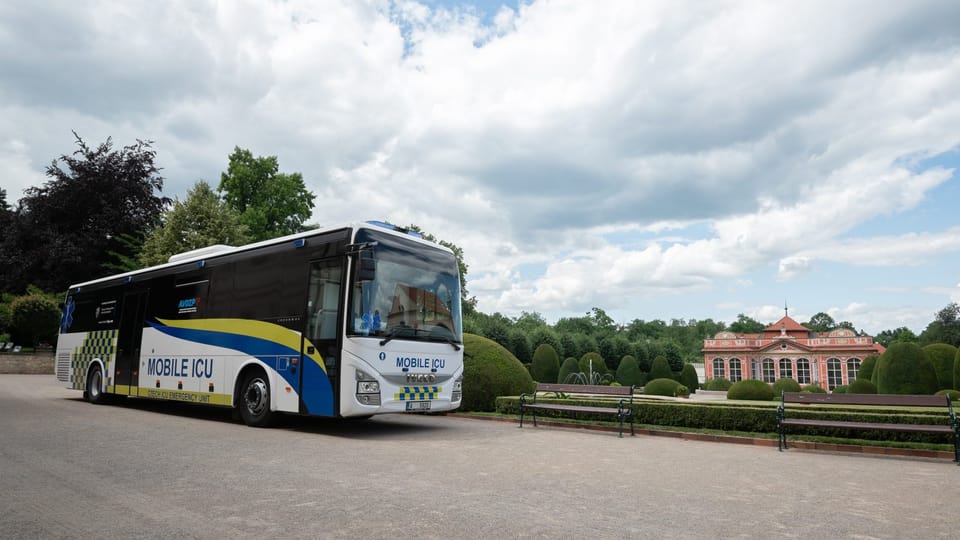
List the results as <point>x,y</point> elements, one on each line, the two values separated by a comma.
<point>788,323</point>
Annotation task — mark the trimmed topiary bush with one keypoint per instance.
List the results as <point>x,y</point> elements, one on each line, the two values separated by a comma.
<point>628,372</point>
<point>814,388</point>
<point>568,368</point>
<point>660,369</point>
<point>751,389</point>
<point>954,394</point>
<point>664,387</point>
<point>717,385</point>
<point>34,319</point>
<point>842,389</point>
<point>489,371</point>
<point>956,371</point>
<point>942,355</point>
<point>546,364</point>
<point>785,384</point>
<point>593,360</point>
<point>862,386</point>
<point>867,366</point>
<point>689,378</point>
<point>905,369</point>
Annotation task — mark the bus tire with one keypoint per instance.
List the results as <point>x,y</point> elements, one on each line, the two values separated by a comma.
<point>94,392</point>
<point>254,403</point>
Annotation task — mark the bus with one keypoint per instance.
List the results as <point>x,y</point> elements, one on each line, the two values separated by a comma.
<point>343,322</point>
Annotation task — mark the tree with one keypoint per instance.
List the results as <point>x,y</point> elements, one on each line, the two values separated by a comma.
<point>519,344</point>
<point>64,231</point>
<point>270,203</point>
<point>821,322</point>
<point>34,318</point>
<point>672,353</point>
<point>905,368</point>
<point>689,378</point>
<point>746,325</point>
<point>660,369</point>
<point>945,328</point>
<point>628,372</point>
<point>546,364</point>
<point>942,356</point>
<point>887,337</point>
<point>199,221</point>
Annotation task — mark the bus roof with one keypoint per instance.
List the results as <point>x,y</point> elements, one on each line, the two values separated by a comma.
<point>219,250</point>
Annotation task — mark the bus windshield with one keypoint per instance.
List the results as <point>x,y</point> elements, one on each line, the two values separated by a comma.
<point>414,296</point>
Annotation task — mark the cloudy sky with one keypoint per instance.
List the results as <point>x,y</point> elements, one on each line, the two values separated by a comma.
<point>655,159</point>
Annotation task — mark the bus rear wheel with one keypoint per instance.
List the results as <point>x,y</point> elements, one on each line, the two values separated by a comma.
<point>94,393</point>
<point>254,402</point>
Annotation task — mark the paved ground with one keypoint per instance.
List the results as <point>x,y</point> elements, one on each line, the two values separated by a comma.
<point>146,470</point>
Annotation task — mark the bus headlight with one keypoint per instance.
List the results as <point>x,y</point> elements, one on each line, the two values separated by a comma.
<point>457,389</point>
<point>368,388</point>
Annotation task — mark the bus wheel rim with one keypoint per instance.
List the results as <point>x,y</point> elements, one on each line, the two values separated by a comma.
<point>255,397</point>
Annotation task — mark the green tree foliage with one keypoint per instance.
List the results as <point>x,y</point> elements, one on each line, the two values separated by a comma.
<point>821,322</point>
<point>862,386</point>
<point>569,345</point>
<point>642,353</point>
<point>664,387</point>
<point>943,357</point>
<point>199,221</point>
<point>519,344</point>
<point>467,302</point>
<point>546,364</point>
<point>746,325</point>
<point>34,319</point>
<point>586,343</point>
<point>546,336</point>
<point>945,328</point>
<point>905,369</point>
<point>671,351</point>
<point>956,370</point>
<point>63,232</point>
<point>750,389</point>
<point>689,378</point>
<point>628,372</point>
<point>814,388</point>
<point>593,361</point>
<point>785,384</point>
<point>490,371</point>
<point>270,203</point>
<point>660,369</point>
<point>867,367</point>
<point>903,333</point>
<point>569,367</point>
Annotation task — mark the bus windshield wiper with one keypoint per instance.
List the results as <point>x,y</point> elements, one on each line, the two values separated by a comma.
<point>395,332</point>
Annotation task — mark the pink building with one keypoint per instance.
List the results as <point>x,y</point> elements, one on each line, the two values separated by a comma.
<point>788,349</point>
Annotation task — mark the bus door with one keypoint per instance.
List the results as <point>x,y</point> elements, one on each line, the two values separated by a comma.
<point>318,390</point>
<point>132,314</point>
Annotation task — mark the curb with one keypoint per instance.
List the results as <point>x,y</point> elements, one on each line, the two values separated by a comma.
<point>731,439</point>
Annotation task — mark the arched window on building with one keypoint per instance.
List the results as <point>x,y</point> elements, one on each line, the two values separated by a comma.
<point>853,368</point>
<point>769,371</point>
<point>834,373</point>
<point>803,371</point>
<point>718,371</point>
<point>736,373</point>
<point>786,368</point>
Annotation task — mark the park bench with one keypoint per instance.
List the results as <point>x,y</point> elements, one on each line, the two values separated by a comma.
<point>623,408</point>
<point>947,427</point>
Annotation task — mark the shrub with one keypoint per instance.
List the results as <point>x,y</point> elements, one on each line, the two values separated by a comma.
<point>664,387</point>
<point>490,370</point>
<point>546,364</point>
<point>593,361</point>
<point>750,389</point>
<point>717,385</point>
<point>628,372</point>
<point>956,371</point>
<point>785,384</point>
<point>689,378</point>
<point>519,344</point>
<point>642,380</point>
<point>842,389</point>
<point>660,369</point>
<point>867,366</point>
<point>34,318</point>
<point>862,386</point>
<point>905,369</point>
<point>814,388</point>
<point>954,394</point>
<point>568,368</point>
<point>942,356</point>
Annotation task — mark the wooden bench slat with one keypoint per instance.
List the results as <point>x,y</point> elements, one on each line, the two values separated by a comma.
<point>575,408</point>
<point>906,428</point>
<point>896,400</point>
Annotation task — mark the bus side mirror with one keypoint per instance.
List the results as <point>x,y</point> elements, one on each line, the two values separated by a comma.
<point>368,266</point>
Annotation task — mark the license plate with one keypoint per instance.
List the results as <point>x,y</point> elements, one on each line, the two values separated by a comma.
<point>418,405</point>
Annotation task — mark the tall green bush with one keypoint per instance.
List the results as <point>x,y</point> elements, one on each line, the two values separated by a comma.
<point>905,369</point>
<point>862,386</point>
<point>489,371</point>
<point>568,368</point>
<point>660,369</point>
<point>628,372</point>
<point>785,384</point>
<point>867,367</point>
<point>34,319</point>
<point>750,389</point>
<point>593,361</point>
<point>956,371</point>
<point>689,378</point>
<point>546,364</point>
<point>943,356</point>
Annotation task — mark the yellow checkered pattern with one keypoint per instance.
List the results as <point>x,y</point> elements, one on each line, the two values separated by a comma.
<point>101,344</point>
<point>417,393</point>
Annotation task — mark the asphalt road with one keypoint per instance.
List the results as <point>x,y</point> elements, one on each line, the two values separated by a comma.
<point>148,470</point>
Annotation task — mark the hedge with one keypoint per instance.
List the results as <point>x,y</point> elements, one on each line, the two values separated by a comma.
<point>489,371</point>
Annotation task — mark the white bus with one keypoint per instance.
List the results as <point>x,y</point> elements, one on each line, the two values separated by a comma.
<point>342,322</point>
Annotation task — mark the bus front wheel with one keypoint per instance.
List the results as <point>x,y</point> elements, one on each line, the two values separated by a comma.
<point>94,393</point>
<point>255,401</point>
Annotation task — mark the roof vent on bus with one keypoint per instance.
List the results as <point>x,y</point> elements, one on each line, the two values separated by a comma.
<point>202,252</point>
<point>392,227</point>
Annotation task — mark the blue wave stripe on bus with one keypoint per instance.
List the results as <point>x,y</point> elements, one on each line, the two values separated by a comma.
<point>318,397</point>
